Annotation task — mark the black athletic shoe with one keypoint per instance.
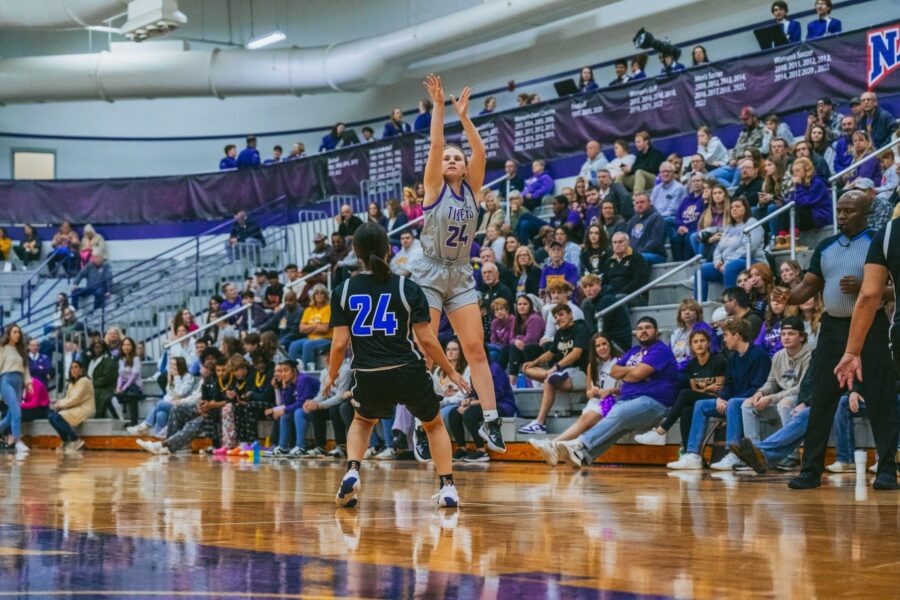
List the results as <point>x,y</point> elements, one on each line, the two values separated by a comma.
<point>804,481</point>
<point>490,433</point>
<point>420,447</point>
<point>477,456</point>
<point>750,454</point>
<point>460,454</point>
<point>400,442</point>
<point>885,481</point>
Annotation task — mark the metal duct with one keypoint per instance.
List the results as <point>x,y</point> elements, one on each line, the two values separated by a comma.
<point>58,14</point>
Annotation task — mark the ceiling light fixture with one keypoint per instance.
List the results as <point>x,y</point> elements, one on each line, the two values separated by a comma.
<point>266,40</point>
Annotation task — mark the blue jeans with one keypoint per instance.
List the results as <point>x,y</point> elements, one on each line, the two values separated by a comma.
<point>703,410</point>
<point>682,246</point>
<point>786,440</point>
<point>528,227</point>
<point>773,224</point>
<point>297,421</point>
<point>445,413</point>
<point>62,427</point>
<point>306,349</point>
<point>637,414</point>
<point>11,385</point>
<point>249,249</point>
<point>158,416</point>
<point>652,258</point>
<point>709,272</point>
<point>727,175</point>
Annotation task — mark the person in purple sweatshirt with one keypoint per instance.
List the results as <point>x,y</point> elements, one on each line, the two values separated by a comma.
<point>38,364</point>
<point>686,218</point>
<point>812,196</point>
<point>557,268</point>
<point>843,146</point>
<point>537,186</point>
<point>292,390</point>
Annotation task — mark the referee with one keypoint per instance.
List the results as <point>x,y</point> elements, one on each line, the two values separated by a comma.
<point>882,260</point>
<point>836,270</point>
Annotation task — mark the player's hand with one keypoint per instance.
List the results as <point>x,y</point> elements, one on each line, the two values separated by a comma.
<point>435,88</point>
<point>849,370</point>
<point>460,382</point>
<point>461,105</point>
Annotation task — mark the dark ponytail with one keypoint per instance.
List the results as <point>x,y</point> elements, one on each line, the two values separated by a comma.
<point>370,242</point>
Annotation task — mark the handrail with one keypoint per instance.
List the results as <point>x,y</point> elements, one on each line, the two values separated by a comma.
<point>646,287</point>
<point>215,321</point>
<point>26,285</point>
<point>290,285</point>
<point>490,183</point>
<point>838,175</point>
<point>406,225</point>
<point>759,223</point>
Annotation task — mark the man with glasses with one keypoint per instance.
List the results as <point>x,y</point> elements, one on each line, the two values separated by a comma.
<point>736,303</point>
<point>876,121</point>
<point>650,375</point>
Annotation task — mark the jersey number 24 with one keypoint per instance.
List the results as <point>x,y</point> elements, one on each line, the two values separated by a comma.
<point>457,236</point>
<point>383,320</point>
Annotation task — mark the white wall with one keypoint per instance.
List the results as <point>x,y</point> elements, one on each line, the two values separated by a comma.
<point>532,54</point>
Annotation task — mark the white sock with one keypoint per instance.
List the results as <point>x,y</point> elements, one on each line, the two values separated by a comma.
<point>490,415</point>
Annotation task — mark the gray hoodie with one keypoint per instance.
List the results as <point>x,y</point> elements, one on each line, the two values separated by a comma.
<point>787,373</point>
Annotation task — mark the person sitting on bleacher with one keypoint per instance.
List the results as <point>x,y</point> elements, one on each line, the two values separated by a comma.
<point>285,322</point>
<point>73,409</point>
<point>647,230</point>
<point>813,198</point>
<point>314,327</point>
<point>567,358</point>
<point>98,282</point>
<point>641,175</point>
<point>557,270</point>
<point>751,136</point>
<point>778,395</point>
<point>537,186</point>
<point>747,370</point>
<point>191,419</point>
<point>254,316</point>
<point>730,255</point>
<point>410,252</point>
<point>686,218</point>
<point>650,381</point>
<point>181,384</point>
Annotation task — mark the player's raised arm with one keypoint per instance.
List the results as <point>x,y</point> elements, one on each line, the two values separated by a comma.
<point>433,176</point>
<point>475,170</point>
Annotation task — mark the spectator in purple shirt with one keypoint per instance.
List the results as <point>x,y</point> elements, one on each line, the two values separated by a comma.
<point>686,218</point>
<point>38,364</point>
<point>843,146</point>
<point>566,218</point>
<point>537,186</point>
<point>812,197</point>
<point>650,381</point>
<point>292,390</point>
<point>558,269</point>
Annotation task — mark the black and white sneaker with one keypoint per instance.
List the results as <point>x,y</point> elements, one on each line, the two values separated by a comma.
<point>477,456</point>
<point>460,454</point>
<point>491,434</point>
<point>421,449</point>
<point>347,493</point>
<point>337,452</point>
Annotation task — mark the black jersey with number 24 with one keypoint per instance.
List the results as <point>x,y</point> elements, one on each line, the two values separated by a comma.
<point>381,318</point>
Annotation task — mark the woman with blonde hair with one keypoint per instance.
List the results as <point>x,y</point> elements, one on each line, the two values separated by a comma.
<point>314,325</point>
<point>713,221</point>
<point>689,318</point>
<point>528,274</point>
<point>812,198</point>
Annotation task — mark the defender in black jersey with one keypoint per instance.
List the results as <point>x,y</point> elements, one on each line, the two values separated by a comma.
<point>377,312</point>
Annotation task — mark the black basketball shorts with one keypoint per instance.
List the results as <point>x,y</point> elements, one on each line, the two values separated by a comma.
<point>377,393</point>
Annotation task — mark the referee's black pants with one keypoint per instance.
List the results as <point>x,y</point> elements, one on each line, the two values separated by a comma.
<point>878,389</point>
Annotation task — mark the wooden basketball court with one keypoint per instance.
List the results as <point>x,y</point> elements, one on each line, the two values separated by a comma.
<point>123,524</point>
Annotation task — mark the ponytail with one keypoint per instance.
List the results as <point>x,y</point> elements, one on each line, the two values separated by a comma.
<point>370,242</point>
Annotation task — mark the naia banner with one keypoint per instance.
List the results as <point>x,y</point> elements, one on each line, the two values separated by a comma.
<point>783,80</point>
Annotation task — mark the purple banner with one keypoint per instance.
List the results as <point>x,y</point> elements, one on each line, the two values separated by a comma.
<point>783,80</point>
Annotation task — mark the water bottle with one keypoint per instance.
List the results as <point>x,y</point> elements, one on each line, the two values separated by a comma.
<point>521,382</point>
<point>255,450</point>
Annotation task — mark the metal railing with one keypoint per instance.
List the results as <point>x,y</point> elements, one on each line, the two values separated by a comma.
<point>326,268</point>
<point>645,288</point>
<point>215,321</point>
<point>406,225</point>
<point>790,206</point>
<point>839,175</point>
<point>27,291</point>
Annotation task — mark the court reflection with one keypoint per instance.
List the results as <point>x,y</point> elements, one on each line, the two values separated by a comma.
<point>121,522</point>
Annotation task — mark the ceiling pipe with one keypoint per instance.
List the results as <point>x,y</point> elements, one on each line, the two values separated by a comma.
<point>58,14</point>
<point>346,66</point>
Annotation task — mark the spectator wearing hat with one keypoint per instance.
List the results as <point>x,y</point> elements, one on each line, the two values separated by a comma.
<point>791,29</point>
<point>321,254</point>
<point>650,382</point>
<point>880,208</point>
<point>823,24</point>
<point>751,136</point>
<point>647,230</point>
<point>557,269</point>
<point>249,156</point>
<point>825,116</point>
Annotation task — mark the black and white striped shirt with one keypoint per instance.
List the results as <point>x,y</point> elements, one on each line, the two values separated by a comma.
<point>836,257</point>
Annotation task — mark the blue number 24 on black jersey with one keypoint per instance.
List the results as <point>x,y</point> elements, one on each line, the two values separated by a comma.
<point>381,318</point>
